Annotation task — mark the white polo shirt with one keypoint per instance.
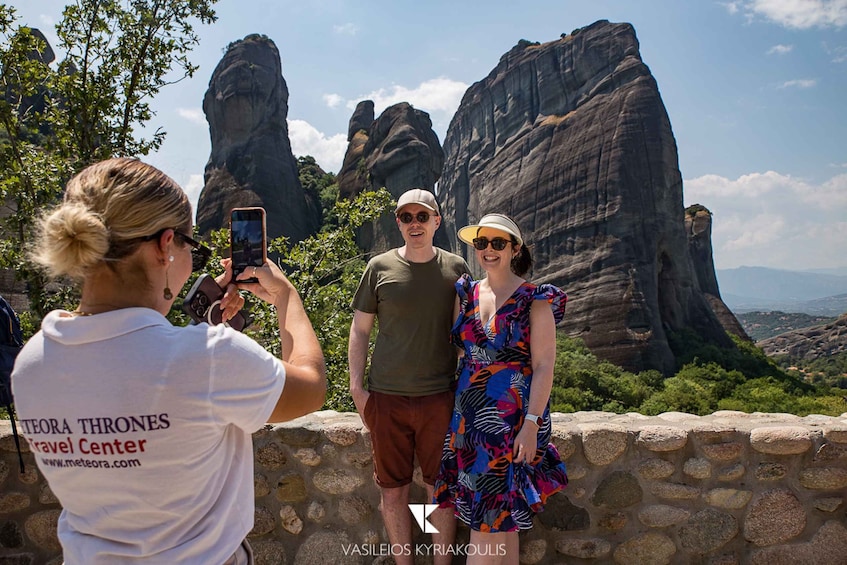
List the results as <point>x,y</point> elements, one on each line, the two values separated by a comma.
<point>143,431</point>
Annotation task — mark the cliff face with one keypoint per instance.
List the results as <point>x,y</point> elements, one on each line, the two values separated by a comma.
<point>572,140</point>
<point>251,163</point>
<point>398,151</point>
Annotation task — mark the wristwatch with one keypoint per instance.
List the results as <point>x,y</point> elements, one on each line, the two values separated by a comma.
<point>537,420</point>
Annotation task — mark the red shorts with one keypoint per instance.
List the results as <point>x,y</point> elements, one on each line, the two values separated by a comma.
<point>403,427</point>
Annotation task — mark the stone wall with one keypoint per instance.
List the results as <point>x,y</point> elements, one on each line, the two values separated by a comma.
<point>729,488</point>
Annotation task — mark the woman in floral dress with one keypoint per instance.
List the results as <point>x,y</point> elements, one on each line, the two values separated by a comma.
<point>498,465</point>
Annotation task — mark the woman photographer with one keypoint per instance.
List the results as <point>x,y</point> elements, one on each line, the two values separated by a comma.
<point>143,429</point>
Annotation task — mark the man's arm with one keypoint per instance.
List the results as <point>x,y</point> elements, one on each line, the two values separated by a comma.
<point>357,356</point>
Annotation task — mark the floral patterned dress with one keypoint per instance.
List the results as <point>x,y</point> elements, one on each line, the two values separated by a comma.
<point>489,492</point>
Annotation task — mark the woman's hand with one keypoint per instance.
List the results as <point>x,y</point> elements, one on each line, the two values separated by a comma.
<point>232,301</point>
<point>273,287</point>
<point>526,443</point>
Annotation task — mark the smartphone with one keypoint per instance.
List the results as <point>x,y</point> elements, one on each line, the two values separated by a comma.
<point>248,240</point>
<point>203,304</point>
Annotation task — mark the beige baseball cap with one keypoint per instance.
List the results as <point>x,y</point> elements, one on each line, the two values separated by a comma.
<point>496,221</point>
<point>417,196</point>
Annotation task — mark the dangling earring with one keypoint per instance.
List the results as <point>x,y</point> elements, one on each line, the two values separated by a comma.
<point>168,294</point>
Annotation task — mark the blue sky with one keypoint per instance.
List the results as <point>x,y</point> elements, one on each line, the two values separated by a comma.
<point>755,90</point>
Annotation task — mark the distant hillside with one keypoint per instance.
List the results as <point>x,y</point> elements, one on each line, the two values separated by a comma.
<point>762,325</point>
<point>810,343</point>
<point>748,289</point>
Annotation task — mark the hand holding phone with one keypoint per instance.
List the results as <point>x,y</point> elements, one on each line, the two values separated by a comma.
<point>248,243</point>
<point>203,304</point>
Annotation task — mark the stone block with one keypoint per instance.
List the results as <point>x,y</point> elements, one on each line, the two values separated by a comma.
<point>781,440</point>
<point>731,473</point>
<point>603,443</point>
<point>617,490</point>
<point>707,531</point>
<point>271,456</point>
<point>729,498</point>
<point>697,468</point>
<point>532,551</point>
<point>828,545</point>
<point>342,434</point>
<point>674,491</point>
<point>662,515</point>
<point>336,481</point>
<point>13,502</point>
<point>41,530</point>
<point>308,456</point>
<point>291,488</point>
<point>656,469</point>
<point>829,504</point>
<point>662,438</point>
<point>728,451</point>
<point>775,516</point>
<point>824,478</point>
<point>290,521</point>
<point>770,471</point>
<point>584,548</point>
<point>613,521</point>
<point>264,522</point>
<point>652,548</point>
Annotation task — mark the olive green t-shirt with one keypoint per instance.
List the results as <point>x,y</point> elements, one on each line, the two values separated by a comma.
<point>413,303</point>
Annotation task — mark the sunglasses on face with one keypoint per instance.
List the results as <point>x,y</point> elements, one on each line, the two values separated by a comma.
<point>200,254</point>
<point>498,243</point>
<point>407,217</point>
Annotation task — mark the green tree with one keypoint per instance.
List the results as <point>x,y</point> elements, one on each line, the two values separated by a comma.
<point>117,56</point>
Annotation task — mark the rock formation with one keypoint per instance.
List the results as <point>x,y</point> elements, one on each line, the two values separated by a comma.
<point>571,139</point>
<point>698,226</point>
<point>251,163</point>
<point>810,343</point>
<point>398,151</point>
<point>353,176</point>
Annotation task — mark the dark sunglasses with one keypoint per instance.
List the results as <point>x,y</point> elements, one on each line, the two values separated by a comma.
<point>421,217</point>
<point>200,254</point>
<point>498,243</point>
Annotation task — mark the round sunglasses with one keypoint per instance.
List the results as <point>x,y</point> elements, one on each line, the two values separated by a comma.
<point>407,217</point>
<point>498,243</point>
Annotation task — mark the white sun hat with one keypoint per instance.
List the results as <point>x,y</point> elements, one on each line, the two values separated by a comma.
<point>495,221</point>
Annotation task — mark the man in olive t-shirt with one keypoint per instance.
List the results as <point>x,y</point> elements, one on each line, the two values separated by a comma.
<point>409,400</point>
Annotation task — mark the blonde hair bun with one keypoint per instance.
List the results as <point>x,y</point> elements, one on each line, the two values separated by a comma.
<point>74,240</point>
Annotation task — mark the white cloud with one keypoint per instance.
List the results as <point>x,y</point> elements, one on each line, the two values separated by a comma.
<point>307,140</point>
<point>345,29</point>
<point>774,220</point>
<point>838,54</point>
<point>193,188</point>
<point>800,14</point>
<point>799,83</point>
<point>332,100</point>
<point>193,115</point>
<point>753,185</point>
<point>438,97</point>
<point>435,95</point>
<point>780,49</point>
<point>732,7</point>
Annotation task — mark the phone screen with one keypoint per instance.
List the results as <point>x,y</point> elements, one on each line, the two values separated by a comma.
<point>248,239</point>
